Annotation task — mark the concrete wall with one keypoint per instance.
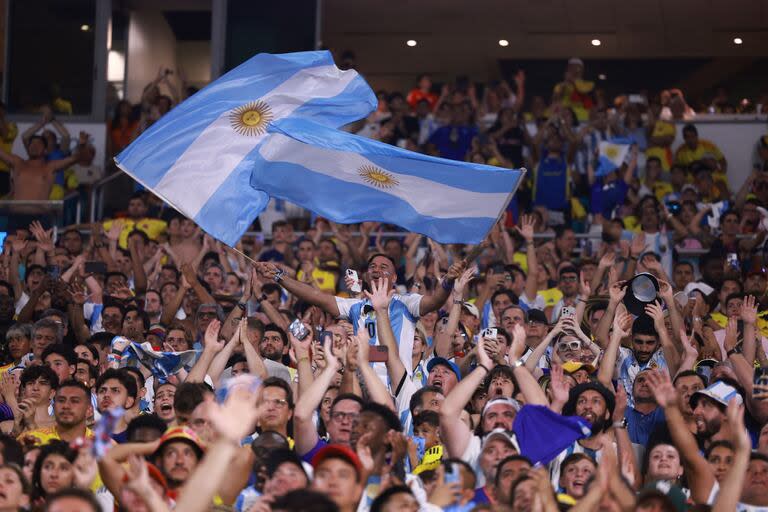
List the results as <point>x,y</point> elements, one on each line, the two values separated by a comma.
<point>194,57</point>
<point>151,45</point>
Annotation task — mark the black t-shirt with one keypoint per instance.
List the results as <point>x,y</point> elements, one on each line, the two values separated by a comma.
<point>510,145</point>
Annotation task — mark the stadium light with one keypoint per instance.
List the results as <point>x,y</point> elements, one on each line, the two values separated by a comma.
<point>596,42</point>
<point>503,42</point>
<point>411,43</point>
<point>737,40</point>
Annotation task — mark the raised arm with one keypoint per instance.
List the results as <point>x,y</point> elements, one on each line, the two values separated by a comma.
<point>433,302</point>
<point>671,353</point>
<point>622,326</point>
<point>700,474</point>
<point>301,290</point>
<point>616,295</point>
<point>202,294</point>
<point>380,298</point>
<point>731,486</point>
<point>529,386</point>
<point>454,432</point>
<point>377,391</point>
<point>305,432</point>
<point>212,348</point>
<point>531,278</point>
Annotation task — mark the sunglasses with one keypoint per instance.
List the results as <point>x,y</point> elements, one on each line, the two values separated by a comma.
<point>568,345</point>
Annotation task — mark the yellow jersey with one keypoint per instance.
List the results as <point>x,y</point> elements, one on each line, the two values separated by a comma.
<point>152,227</point>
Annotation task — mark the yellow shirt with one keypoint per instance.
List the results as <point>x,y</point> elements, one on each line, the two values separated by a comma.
<point>6,143</point>
<point>686,156</point>
<point>662,129</point>
<point>551,296</point>
<point>152,227</point>
<point>46,434</point>
<point>325,280</point>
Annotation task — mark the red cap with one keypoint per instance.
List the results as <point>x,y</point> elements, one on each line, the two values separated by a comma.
<point>338,451</point>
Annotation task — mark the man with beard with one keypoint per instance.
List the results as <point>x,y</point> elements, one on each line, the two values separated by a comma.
<point>71,408</point>
<point>645,416</point>
<point>686,384</point>
<point>595,403</point>
<point>498,413</point>
<point>116,389</point>
<point>404,310</point>
<point>708,407</point>
<point>112,318</point>
<point>178,454</point>
<point>274,343</point>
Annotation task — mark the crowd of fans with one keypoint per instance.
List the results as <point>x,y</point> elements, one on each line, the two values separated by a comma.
<point>149,367</point>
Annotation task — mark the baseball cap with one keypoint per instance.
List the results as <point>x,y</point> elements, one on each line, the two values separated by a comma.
<point>696,285</point>
<point>338,451</point>
<point>501,400</point>
<point>471,308</point>
<point>183,434</point>
<point>445,362</point>
<point>499,433</point>
<point>574,366</point>
<point>576,60</point>
<point>536,316</point>
<point>720,392</point>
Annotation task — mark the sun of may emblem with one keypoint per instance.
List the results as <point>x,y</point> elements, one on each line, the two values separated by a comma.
<point>251,118</point>
<point>377,177</point>
<point>611,152</point>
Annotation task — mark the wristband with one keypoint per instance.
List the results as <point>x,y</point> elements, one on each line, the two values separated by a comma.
<point>417,286</point>
<point>241,306</point>
<point>278,275</point>
<point>302,358</point>
<point>481,365</point>
<point>734,350</point>
<point>458,301</point>
<point>262,297</point>
<point>620,424</point>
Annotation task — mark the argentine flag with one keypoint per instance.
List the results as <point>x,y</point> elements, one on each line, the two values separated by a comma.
<point>612,154</point>
<point>269,129</point>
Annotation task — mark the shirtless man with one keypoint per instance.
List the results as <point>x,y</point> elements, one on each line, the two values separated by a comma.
<point>32,179</point>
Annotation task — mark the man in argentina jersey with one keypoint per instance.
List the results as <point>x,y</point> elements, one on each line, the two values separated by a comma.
<point>404,310</point>
<point>595,403</point>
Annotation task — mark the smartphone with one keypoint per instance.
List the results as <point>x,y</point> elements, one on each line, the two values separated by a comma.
<point>733,261</point>
<point>490,333</point>
<point>298,329</point>
<point>324,336</point>
<point>353,275</point>
<point>761,378</point>
<point>54,271</point>
<point>567,311</point>
<point>378,354</point>
<point>95,267</point>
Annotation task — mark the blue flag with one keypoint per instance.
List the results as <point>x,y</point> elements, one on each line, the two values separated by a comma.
<point>269,129</point>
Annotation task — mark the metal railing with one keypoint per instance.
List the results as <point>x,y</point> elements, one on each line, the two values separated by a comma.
<point>66,211</point>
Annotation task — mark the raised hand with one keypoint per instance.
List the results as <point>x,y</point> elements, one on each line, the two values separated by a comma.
<point>517,347</point>
<point>18,244</point>
<point>526,227</point>
<point>461,282</point>
<point>558,385</point>
<point>621,403</point>
<point>617,291</point>
<point>638,245</point>
<point>607,260</point>
<point>380,295</point>
<point>749,310</point>
<point>622,324</point>
<point>661,387</point>
<point>666,292</point>
<point>483,359</point>
<point>654,311</point>
<point>114,230</point>
<point>456,270</point>
<point>734,414</point>
<point>688,346</point>
<point>44,238</point>
<point>211,341</point>
<point>85,467</point>
<point>585,289</point>
<point>236,417</point>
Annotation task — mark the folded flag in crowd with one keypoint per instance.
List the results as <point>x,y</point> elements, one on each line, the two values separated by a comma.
<point>161,364</point>
<point>611,154</point>
<point>542,433</point>
<point>269,128</point>
<point>103,430</point>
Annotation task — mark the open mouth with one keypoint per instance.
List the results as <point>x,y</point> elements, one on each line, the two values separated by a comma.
<point>438,383</point>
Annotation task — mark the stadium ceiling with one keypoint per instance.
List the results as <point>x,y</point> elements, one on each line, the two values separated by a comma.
<point>463,36</point>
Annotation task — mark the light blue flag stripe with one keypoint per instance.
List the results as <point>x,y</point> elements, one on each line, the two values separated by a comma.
<point>334,174</point>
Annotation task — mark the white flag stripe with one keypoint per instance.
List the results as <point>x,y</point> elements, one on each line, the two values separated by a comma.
<point>219,149</point>
<point>425,196</point>
<point>616,153</point>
